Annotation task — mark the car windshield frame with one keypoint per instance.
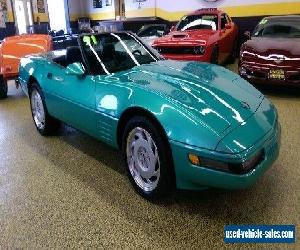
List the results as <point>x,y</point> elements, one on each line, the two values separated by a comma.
<point>196,22</point>
<point>94,48</point>
<point>280,24</point>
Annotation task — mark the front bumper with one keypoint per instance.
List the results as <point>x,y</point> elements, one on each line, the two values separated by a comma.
<point>198,58</point>
<point>192,177</point>
<point>259,74</point>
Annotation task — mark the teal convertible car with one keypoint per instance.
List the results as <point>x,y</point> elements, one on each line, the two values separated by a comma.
<point>179,124</point>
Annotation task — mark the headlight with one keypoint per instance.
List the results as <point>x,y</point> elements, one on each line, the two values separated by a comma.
<point>208,163</point>
<point>199,50</point>
<point>243,71</point>
<point>236,168</point>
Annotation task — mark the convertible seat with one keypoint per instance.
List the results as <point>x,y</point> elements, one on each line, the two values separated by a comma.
<point>73,55</point>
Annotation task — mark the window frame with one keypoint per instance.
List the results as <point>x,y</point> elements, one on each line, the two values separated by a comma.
<point>150,50</point>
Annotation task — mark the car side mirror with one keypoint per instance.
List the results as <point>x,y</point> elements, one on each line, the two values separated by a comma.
<point>247,34</point>
<point>75,69</point>
<point>228,26</point>
<point>160,33</point>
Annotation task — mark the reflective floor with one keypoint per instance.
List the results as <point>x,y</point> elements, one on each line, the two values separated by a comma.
<point>69,190</point>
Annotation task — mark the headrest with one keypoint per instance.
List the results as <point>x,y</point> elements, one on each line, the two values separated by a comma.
<point>73,55</point>
<point>108,50</point>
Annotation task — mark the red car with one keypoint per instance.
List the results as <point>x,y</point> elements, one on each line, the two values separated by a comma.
<point>272,54</point>
<point>206,35</point>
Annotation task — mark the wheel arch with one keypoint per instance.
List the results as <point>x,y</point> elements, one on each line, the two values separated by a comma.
<point>31,80</point>
<point>132,112</point>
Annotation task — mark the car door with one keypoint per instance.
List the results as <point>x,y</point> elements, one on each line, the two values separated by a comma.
<point>225,40</point>
<point>71,98</point>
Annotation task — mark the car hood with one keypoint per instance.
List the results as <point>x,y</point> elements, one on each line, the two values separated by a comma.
<point>270,48</point>
<point>209,93</point>
<point>186,36</point>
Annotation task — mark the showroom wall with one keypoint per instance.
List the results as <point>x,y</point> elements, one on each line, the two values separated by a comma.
<point>77,8</point>
<point>7,25</point>
<point>104,13</point>
<point>173,10</point>
<point>143,9</point>
<point>44,18</point>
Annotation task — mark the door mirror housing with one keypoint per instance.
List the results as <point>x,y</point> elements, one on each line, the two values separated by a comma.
<point>247,34</point>
<point>160,33</point>
<point>75,69</point>
<point>228,26</point>
<point>172,28</point>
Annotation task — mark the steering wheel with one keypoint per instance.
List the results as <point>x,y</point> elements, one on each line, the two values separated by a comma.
<point>137,51</point>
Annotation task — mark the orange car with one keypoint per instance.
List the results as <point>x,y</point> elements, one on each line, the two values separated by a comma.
<point>12,49</point>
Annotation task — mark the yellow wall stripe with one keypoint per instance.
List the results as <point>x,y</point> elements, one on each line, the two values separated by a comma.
<point>43,17</point>
<point>10,16</point>
<point>264,9</point>
<point>74,17</point>
<point>243,11</point>
<point>102,15</point>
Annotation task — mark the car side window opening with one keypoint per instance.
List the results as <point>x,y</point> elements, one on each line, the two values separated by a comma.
<point>152,31</point>
<point>287,30</point>
<point>197,22</point>
<point>228,19</point>
<point>223,21</point>
<point>110,53</point>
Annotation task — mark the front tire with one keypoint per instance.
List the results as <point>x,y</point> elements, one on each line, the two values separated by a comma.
<point>3,88</point>
<point>44,123</point>
<point>215,56</point>
<point>148,159</point>
<point>233,53</point>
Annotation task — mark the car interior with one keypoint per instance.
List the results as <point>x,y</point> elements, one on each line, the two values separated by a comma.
<point>111,53</point>
<point>72,55</point>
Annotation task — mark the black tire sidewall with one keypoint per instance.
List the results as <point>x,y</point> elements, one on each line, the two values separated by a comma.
<point>166,184</point>
<point>215,56</point>
<point>50,123</point>
<point>3,88</point>
<point>233,54</point>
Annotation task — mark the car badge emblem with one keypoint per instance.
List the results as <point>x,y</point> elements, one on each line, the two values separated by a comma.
<point>245,105</point>
<point>277,58</point>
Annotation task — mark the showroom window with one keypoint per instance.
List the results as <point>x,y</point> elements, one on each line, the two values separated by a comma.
<point>57,14</point>
<point>23,13</point>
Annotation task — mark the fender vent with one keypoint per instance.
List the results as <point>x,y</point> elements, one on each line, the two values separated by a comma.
<point>179,36</point>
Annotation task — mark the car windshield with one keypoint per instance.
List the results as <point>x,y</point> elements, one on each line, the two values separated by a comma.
<point>155,30</point>
<point>198,22</point>
<point>287,29</point>
<point>110,53</point>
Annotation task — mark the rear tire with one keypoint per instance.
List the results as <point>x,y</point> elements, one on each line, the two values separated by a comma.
<point>3,88</point>
<point>233,54</point>
<point>148,159</point>
<point>215,56</point>
<point>44,123</point>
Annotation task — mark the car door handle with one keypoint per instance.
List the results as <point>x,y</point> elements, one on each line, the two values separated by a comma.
<point>55,78</point>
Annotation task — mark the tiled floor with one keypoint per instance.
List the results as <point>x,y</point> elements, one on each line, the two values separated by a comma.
<point>69,190</point>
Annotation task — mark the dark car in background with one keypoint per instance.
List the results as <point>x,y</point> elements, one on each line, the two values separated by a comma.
<point>272,53</point>
<point>151,32</point>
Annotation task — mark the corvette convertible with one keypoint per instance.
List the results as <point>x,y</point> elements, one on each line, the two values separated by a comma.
<point>179,124</point>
